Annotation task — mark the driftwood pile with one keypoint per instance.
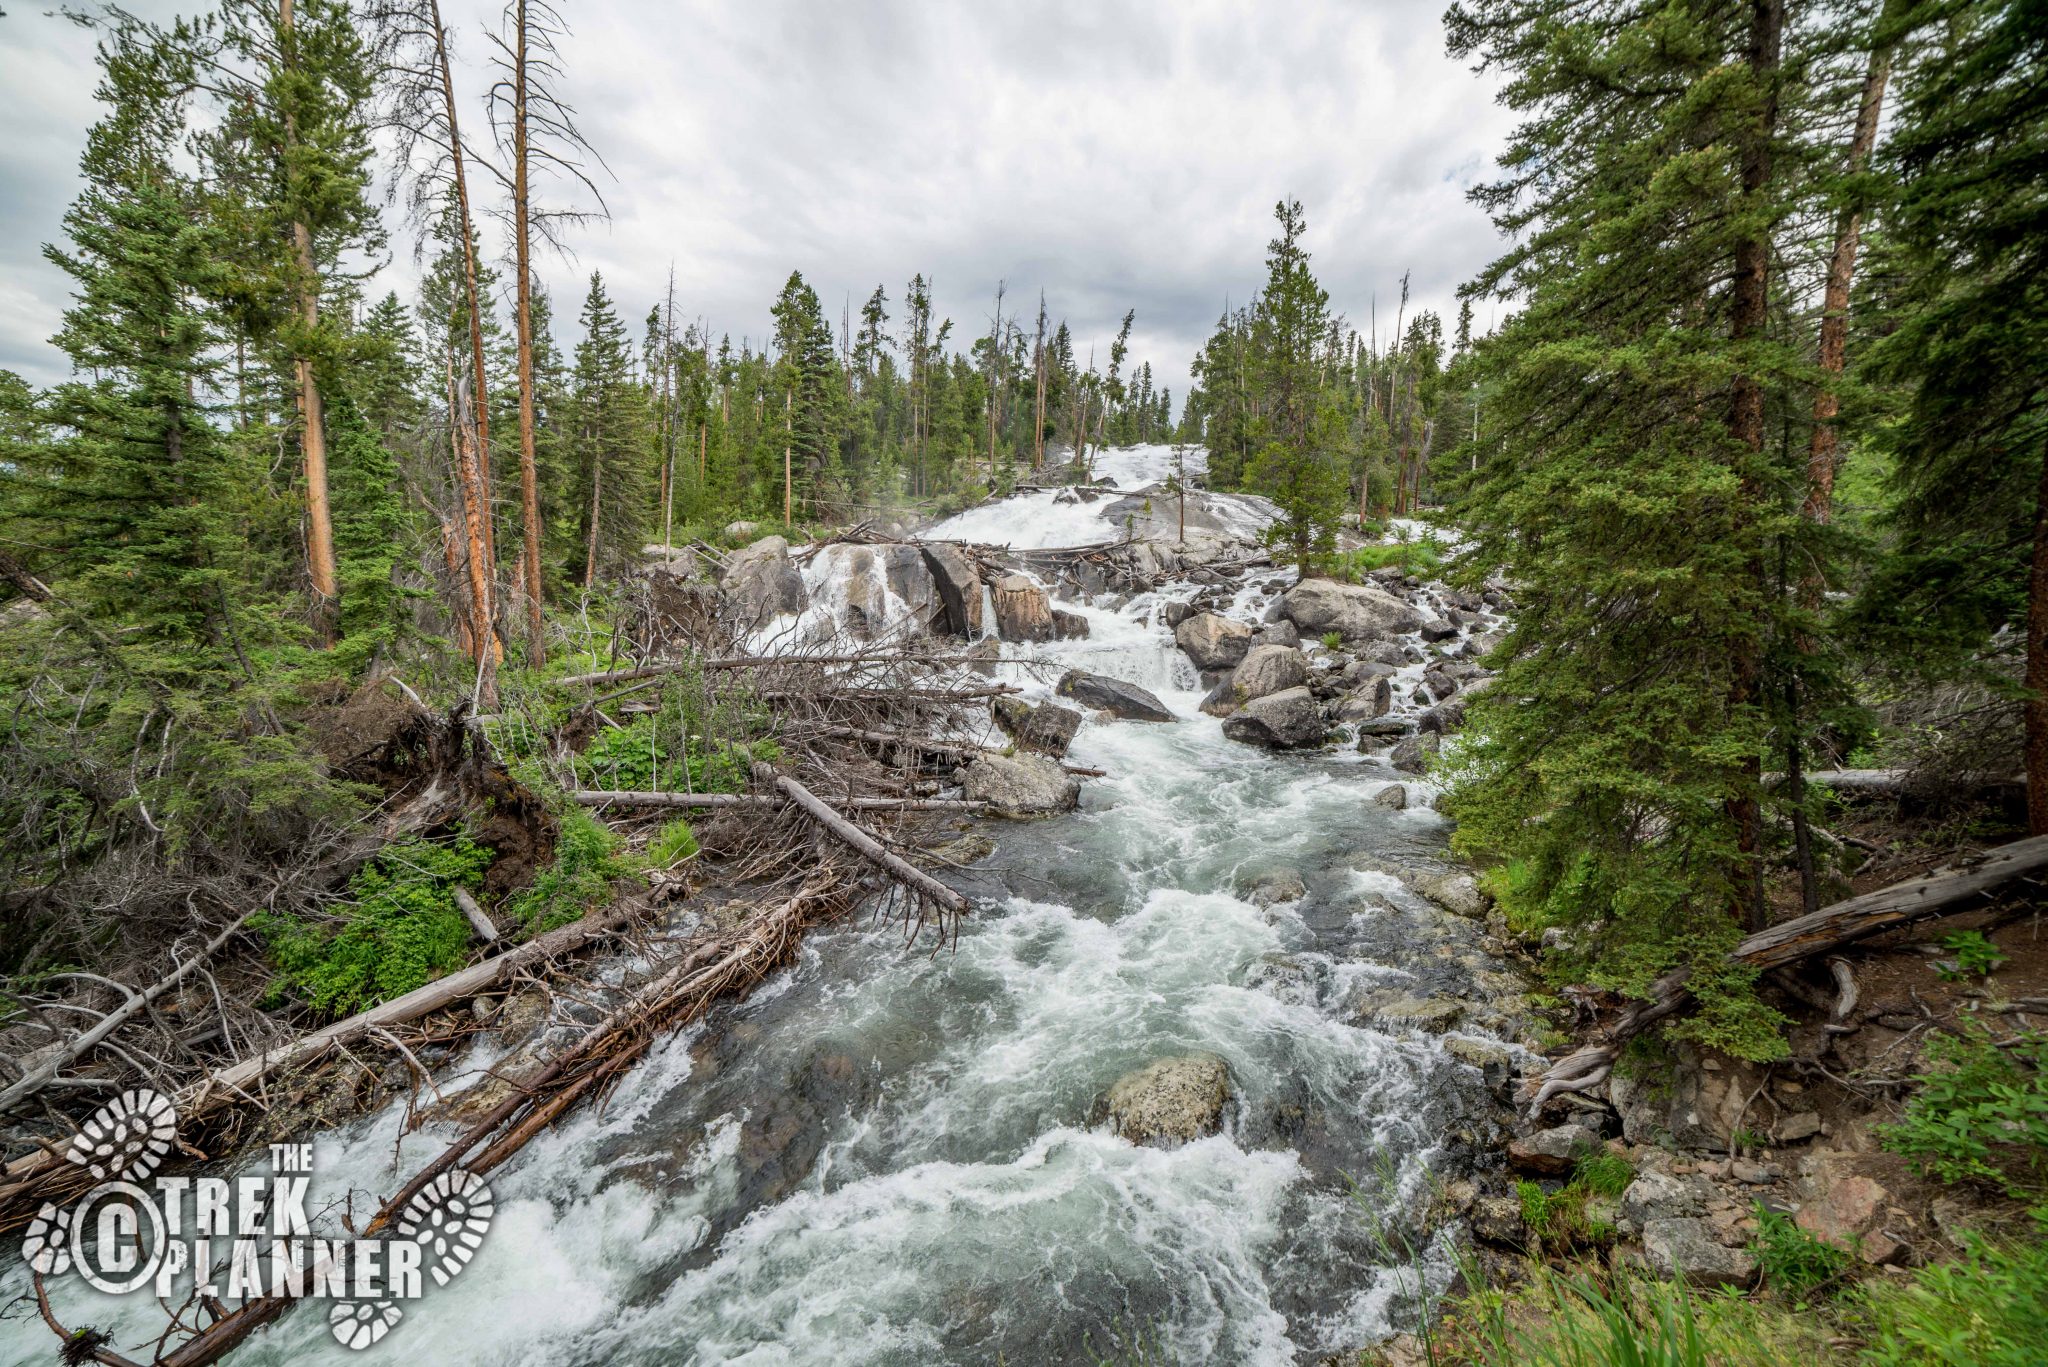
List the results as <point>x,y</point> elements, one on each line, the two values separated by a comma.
<point>865,735</point>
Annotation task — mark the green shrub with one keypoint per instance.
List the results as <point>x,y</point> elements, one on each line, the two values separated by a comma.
<point>1422,558</point>
<point>1793,1262</point>
<point>587,863</point>
<point>1989,1308</point>
<point>1333,640</point>
<point>1981,1113</point>
<point>402,931</point>
<point>1603,1174</point>
<point>674,843</point>
<point>1976,956</point>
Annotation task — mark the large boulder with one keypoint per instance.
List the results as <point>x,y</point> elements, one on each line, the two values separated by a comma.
<point>1688,1248</point>
<point>1069,626</point>
<point>1368,702</point>
<point>1412,755</point>
<point>1020,785</point>
<point>1213,641</point>
<point>1287,720</point>
<point>1356,612</point>
<point>1267,670</point>
<point>761,582</point>
<point>1023,613</point>
<point>1171,1101</point>
<point>1114,696</point>
<point>959,588</point>
<point>1047,729</point>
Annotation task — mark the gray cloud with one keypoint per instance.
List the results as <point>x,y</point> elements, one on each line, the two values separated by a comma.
<point>1114,155</point>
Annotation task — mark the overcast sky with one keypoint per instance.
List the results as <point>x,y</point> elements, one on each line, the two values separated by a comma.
<point>1115,155</point>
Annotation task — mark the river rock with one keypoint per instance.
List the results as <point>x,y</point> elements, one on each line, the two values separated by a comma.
<point>1174,613</point>
<point>1280,633</point>
<point>1022,611</point>
<point>762,584</point>
<point>1287,720</point>
<point>959,588</point>
<point>1213,641</point>
<point>1689,1248</point>
<point>1267,670</point>
<point>1020,785</point>
<point>1437,629</point>
<point>1050,730</point>
<point>1457,893</point>
<point>1553,1152</point>
<point>1276,886</point>
<point>1356,612</point>
<point>1171,1101</point>
<point>1367,703</point>
<point>1069,626</point>
<point>1393,795</point>
<point>1498,1220</point>
<point>1412,755</point>
<point>1125,700</point>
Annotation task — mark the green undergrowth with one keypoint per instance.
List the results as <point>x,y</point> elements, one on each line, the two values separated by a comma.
<point>1574,1214</point>
<point>589,858</point>
<point>1423,558</point>
<point>398,928</point>
<point>1980,1114</point>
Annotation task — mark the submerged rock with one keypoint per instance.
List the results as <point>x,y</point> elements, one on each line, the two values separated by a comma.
<point>1276,886</point>
<point>1287,720</point>
<point>1356,612</point>
<point>1020,785</point>
<point>1114,696</point>
<point>1393,795</point>
<point>1213,641</point>
<point>1172,1100</point>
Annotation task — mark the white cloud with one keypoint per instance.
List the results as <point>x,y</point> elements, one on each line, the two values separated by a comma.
<point>1115,155</point>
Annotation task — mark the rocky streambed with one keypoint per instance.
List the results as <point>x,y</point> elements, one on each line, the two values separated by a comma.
<point>1224,1019</point>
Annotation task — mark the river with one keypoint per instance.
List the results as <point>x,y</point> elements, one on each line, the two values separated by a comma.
<point>888,1156</point>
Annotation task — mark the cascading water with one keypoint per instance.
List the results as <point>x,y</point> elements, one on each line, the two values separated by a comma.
<point>889,1156</point>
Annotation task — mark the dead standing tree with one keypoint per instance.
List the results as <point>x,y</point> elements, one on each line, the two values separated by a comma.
<point>536,129</point>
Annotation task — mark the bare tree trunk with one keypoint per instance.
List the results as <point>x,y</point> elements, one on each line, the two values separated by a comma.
<point>522,238</point>
<point>475,515</point>
<point>788,407</point>
<point>2036,709</point>
<point>479,379</point>
<point>1834,319</point>
<point>1748,315</point>
<point>1038,401</point>
<point>320,565</point>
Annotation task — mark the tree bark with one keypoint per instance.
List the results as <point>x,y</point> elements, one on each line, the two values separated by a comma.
<point>475,517</point>
<point>320,564</point>
<point>479,379</point>
<point>2036,708</point>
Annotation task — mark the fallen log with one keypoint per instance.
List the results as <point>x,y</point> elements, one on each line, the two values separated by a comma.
<point>1957,888</point>
<point>599,797</point>
<point>473,912</point>
<point>731,662</point>
<point>863,844</point>
<point>45,1176</point>
<point>38,1078</point>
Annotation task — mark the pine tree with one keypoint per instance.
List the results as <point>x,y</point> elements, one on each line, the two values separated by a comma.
<point>811,392</point>
<point>612,461</point>
<point>1970,458</point>
<point>1298,432</point>
<point>1627,485</point>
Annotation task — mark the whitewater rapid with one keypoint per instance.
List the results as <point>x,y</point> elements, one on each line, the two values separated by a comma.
<point>894,1157</point>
